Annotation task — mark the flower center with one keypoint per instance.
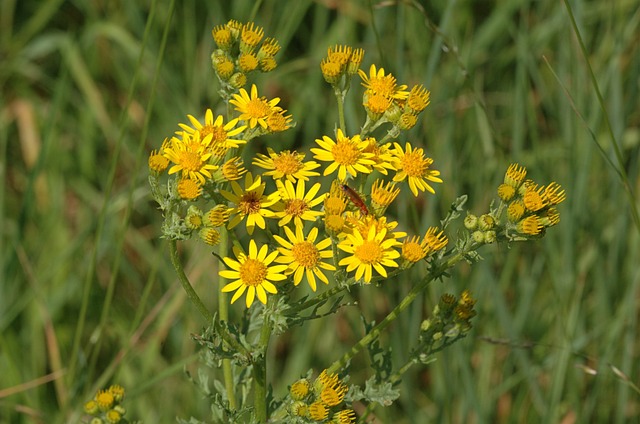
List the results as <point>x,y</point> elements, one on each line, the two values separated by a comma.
<point>412,251</point>
<point>334,205</point>
<point>345,152</point>
<point>253,272</point>
<point>306,254</point>
<point>296,207</point>
<point>369,252</point>
<point>249,203</point>
<point>219,134</point>
<point>385,86</point>
<point>287,163</point>
<point>414,164</point>
<point>258,108</point>
<point>190,160</point>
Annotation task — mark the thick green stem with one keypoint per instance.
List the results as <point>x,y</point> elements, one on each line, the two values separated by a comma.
<point>223,311</point>
<point>260,374</point>
<point>186,285</point>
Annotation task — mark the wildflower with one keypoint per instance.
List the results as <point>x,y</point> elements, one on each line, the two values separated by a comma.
<point>193,220</point>
<point>530,226</point>
<point>267,64</point>
<point>189,189</point>
<point>252,273</point>
<point>304,256</point>
<point>418,99</point>
<point>331,71</point>
<point>299,409</point>
<point>222,36</point>
<point>105,400</point>
<point>269,48</point>
<point>533,197</point>
<point>369,251</point>
<point>157,162</point>
<point>385,85</point>
<point>253,109</point>
<point>91,407</point>
<point>190,156</point>
<point>335,202</point>
<point>364,223</point>
<point>515,210</point>
<point>217,216</point>
<point>413,250</point>
<point>318,411</point>
<point>333,393</point>
<point>224,67</point>
<point>414,166</point>
<point>210,236</point>
<point>405,121</point>
<point>232,170</point>
<point>346,416</point>
<point>277,121</point>
<point>117,391</point>
<point>382,155</point>
<point>354,61</point>
<point>286,164</point>
<point>295,204</point>
<point>300,389</point>
<point>250,202</point>
<point>554,193</point>
<point>515,175</point>
<point>334,224</point>
<point>506,192</point>
<point>247,62</point>
<point>346,155</point>
<point>221,134</point>
<point>382,195</point>
<point>376,105</point>
<point>113,416</point>
<point>238,80</point>
<point>250,36</point>
<point>339,54</point>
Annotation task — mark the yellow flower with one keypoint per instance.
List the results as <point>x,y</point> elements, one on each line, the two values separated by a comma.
<point>354,61</point>
<point>157,162</point>
<point>376,105</point>
<point>347,416</point>
<point>335,202</point>
<point>190,155</point>
<point>232,170</point>
<point>252,273</point>
<point>414,250</point>
<point>250,202</point>
<point>277,121</point>
<point>250,36</point>
<point>382,195</point>
<point>304,256</point>
<point>253,109</point>
<point>105,400</point>
<point>347,155</point>
<point>515,175</point>
<point>339,54</point>
<point>418,98</point>
<point>414,166</point>
<point>221,133</point>
<point>385,85</point>
<point>300,389</point>
<point>117,391</point>
<point>269,48</point>
<point>331,71</point>
<point>295,204</point>
<point>364,223</point>
<point>370,251</point>
<point>317,411</point>
<point>189,189</point>
<point>247,62</point>
<point>286,164</point>
<point>382,155</point>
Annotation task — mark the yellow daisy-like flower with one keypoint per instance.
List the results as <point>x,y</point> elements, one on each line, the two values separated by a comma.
<point>253,109</point>
<point>247,62</point>
<point>295,204</point>
<point>269,48</point>
<point>331,71</point>
<point>300,389</point>
<point>317,411</point>
<point>221,133</point>
<point>413,165</point>
<point>232,170</point>
<point>105,400</point>
<point>250,202</point>
<point>335,202</point>
<point>368,252</point>
<point>222,37</point>
<point>347,416</point>
<point>157,162</point>
<point>250,36</point>
<point>278,121</point>
<point>190,156</point>
<point>385,85</point>
<point>382,195</point>
<point>364,223</point>
<point>346,154</point>
<point>418,98</point>
<point>413,250</point>
<point>382,155</point>
<point>252,273</point>
<point>354,61</point>
<point>286,164</point>
<point>515,175</point>
<point>304,256</point>
<point>339,54</point>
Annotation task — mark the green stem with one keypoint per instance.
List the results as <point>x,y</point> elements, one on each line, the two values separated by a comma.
<point>223,311</point>
<point>340,99</point>
<point>186,285</point>
<point>260,374</point>
<point>408,300</point>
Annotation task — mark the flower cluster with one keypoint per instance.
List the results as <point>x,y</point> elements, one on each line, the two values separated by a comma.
<point>316,401</point>
<point>530,209</point>
<point>451,318</point>
<point>105,407</point>
<point>241,52</point>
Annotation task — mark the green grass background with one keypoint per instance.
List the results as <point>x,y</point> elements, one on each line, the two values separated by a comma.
<point>88,296</point>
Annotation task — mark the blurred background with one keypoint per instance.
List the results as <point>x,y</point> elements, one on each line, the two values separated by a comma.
<point>88,296</point>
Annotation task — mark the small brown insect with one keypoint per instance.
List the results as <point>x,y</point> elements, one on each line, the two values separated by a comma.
<point>355,199</point>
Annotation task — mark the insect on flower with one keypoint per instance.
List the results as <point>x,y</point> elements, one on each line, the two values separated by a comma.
<point>355,199</point>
